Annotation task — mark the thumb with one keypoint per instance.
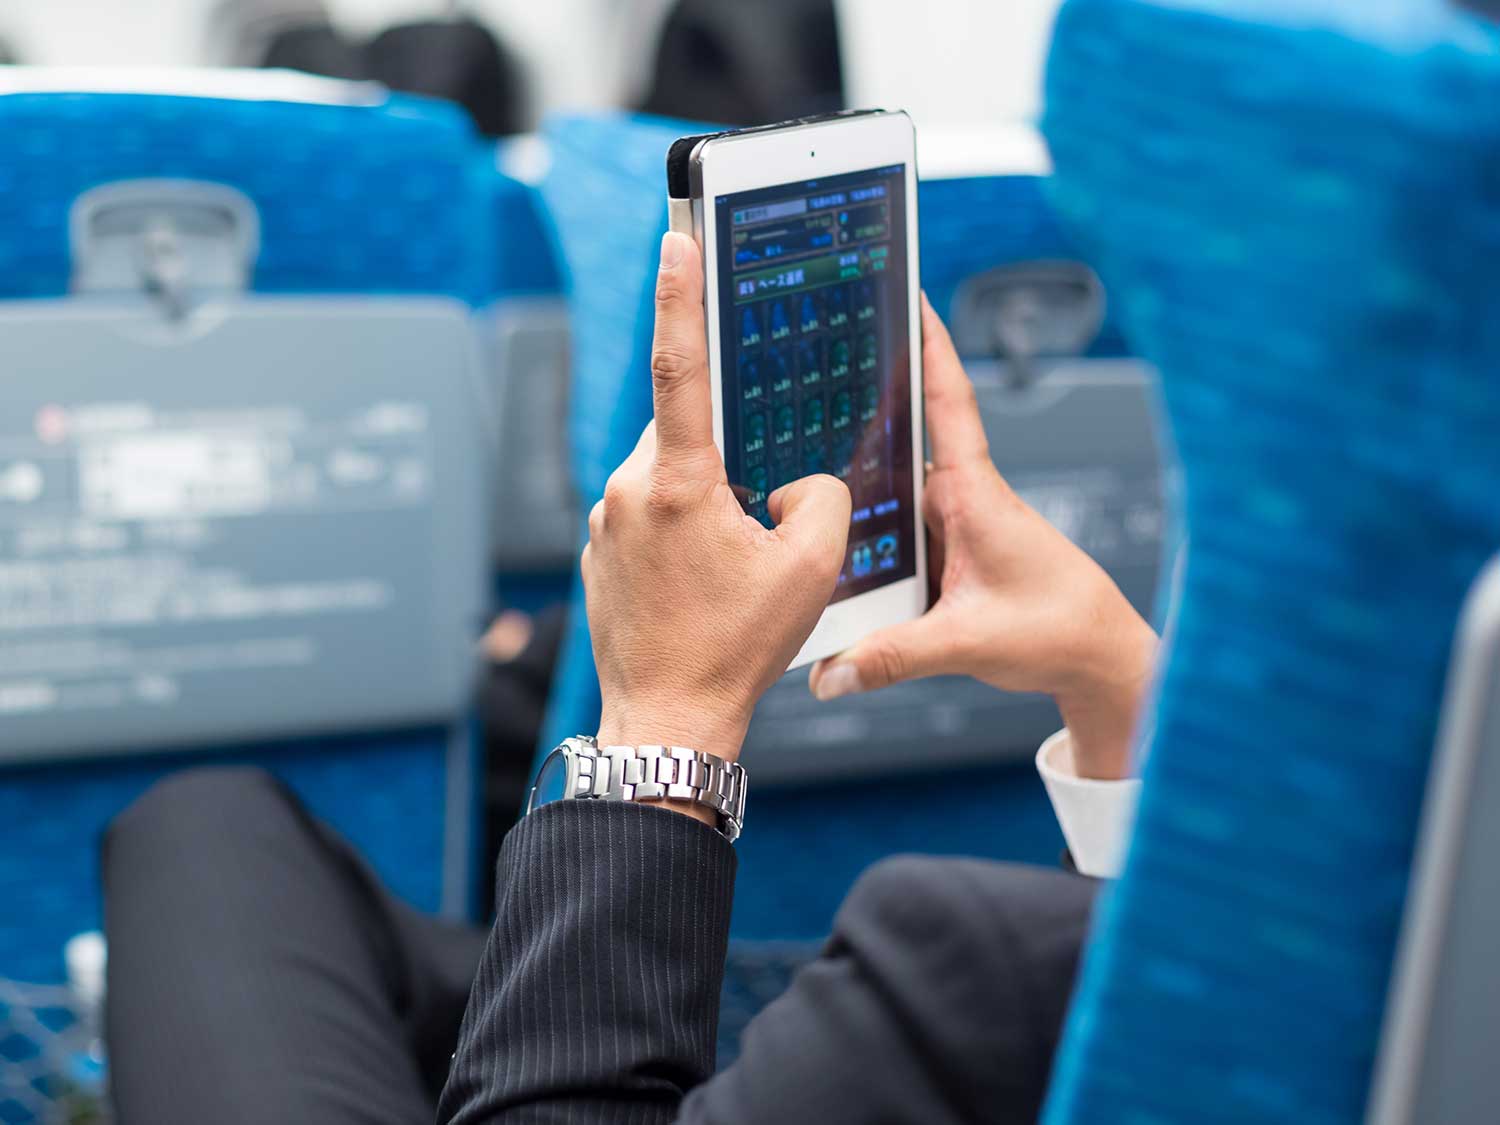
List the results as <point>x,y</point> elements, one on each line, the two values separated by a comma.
<point>908,651</point>
<point>812,517</point>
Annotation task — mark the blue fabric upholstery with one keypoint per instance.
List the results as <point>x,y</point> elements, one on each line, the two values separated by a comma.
<point>971,224</point>
<point>352,199</point>
<point>386,793</point>
<point>526,260</point>
<point>1296,208</point>
<point>525,263</point>
<point>606,192</point>
<point>390,199</point>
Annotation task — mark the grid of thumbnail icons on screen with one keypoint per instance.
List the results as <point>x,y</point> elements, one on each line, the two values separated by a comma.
<point>816,360</point>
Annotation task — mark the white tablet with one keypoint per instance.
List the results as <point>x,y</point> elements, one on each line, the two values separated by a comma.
<point>809,238</point>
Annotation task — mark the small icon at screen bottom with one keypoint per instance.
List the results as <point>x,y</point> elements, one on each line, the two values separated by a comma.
<point>862,559</point>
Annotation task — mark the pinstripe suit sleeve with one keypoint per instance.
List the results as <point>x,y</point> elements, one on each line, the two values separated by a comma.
<point>938,999</point>
<point>597,999</point>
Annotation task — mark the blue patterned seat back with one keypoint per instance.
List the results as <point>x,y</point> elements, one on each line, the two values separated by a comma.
<point>360,198</point>
<point>973,223</point>
<point>525,353</point>
<point>352,198</point>
<point>606,192</point>
<point>1296,209</point>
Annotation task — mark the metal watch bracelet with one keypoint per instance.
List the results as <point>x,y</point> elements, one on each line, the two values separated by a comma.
<point>651,773</point>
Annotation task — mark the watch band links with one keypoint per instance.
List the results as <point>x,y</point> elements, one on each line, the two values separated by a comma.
<point>647,773</point>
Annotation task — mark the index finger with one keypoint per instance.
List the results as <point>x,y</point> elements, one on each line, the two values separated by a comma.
<point>953,421</point>
<point>679,352</point>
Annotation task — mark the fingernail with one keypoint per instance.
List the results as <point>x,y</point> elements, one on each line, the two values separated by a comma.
<point>838,679</point>
<point>671,250</point>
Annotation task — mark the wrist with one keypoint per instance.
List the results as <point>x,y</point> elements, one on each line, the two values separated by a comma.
<point>1101,705</point>
<point>624,724</point>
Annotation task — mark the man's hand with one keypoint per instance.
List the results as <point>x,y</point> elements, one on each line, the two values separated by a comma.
<point>1020,606</point>
<point>694,607</point>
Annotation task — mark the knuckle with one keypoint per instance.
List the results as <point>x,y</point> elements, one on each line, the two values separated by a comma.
<point>672,362</point>
<point>834,486</point>
<point>891,663</point>
<point>669,290</point>
<point>596,520</point>
<point>666,500</point>
<point>978,497</point>
<point>616,498</point>
<point>820,557</point>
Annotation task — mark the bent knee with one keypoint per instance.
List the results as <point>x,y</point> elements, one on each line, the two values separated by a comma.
<point>194,802</point>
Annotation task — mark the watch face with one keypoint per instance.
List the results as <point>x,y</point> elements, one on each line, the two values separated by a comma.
<point>550,780</point>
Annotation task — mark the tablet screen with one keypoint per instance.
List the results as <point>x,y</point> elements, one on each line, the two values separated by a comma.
<point>817,355</point>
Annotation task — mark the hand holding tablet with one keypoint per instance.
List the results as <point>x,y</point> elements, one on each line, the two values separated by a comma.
<point>695,608</point>
<point>1019,605</point>
<point>818,348</point>
<point>808,233</point>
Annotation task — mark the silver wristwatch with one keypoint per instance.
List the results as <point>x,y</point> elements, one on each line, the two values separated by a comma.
<point>586,771</point>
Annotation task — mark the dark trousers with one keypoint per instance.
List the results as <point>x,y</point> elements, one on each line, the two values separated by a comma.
<point>258,971</point>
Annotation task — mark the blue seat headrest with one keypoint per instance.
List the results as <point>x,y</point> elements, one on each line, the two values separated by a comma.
<point>352,198</point>
<point>1295,207</point>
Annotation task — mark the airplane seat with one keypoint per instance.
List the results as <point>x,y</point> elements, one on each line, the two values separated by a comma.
<point>602,165</point>
<point>525,340</point>
<point>1294,208</point>
<point>242,496</point>
<point>944,766</point>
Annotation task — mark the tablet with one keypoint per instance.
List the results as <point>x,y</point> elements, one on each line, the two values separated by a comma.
<point>809,237</point>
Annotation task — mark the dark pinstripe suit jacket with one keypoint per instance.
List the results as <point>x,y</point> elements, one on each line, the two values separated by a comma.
<point>938,998</point>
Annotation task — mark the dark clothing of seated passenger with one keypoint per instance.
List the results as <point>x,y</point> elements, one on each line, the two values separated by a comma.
<point>259,972</point>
